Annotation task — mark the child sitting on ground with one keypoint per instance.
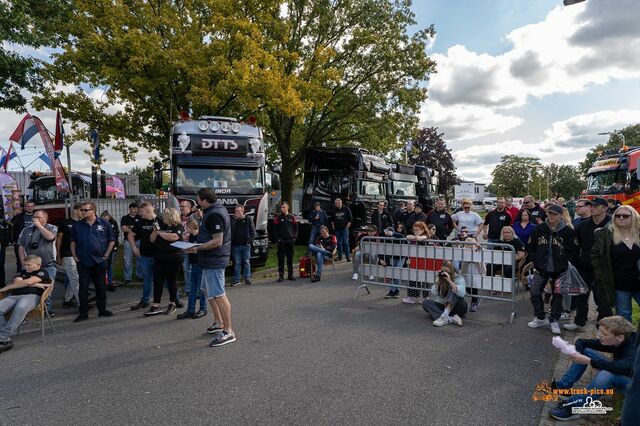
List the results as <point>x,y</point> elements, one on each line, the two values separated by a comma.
<point>616,335</point>
<point>24,296</point>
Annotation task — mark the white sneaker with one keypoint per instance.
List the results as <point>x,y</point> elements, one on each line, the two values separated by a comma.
<point>355,276</point>
<point>457,320</point>
<point>572,327</point>
<point>538,323</point>
<point>440,322</point>
<point>564,316</point>
<point>555,327</point>
<point>409,300</point>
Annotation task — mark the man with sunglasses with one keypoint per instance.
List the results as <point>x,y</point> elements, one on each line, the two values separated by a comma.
<point>536,213</point>
<point>583,211</point>
<point>92,241</point>
<point>584,239</point>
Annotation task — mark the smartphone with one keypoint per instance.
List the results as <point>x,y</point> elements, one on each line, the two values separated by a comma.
<point>156,225</point>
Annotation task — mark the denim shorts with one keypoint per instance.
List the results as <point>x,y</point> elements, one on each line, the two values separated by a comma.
<point>213,281</point>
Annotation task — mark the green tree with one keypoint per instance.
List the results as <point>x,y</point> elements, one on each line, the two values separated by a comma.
<point>145,179</point>
<point>147,61</point>
<point>514,175</point>
<point>631,138</point>
<point>357,72</point>
<point>564,180</point>
<point>31,24</point>
<point>429,149</point>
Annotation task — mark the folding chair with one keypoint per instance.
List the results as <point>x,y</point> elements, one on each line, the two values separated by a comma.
<point>327,261</point>
<point>38,312</point>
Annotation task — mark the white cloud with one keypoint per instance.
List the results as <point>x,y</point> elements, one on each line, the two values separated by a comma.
<point>461,122</point>
<point>572,49</point>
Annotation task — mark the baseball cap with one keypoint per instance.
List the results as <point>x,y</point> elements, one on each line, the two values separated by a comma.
<point>554,208</point>
<point>599,201</point>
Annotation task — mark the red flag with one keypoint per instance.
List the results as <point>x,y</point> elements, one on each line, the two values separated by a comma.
<point>59,139</point>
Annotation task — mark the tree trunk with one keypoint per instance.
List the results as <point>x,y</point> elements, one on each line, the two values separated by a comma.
<point>286,181</point>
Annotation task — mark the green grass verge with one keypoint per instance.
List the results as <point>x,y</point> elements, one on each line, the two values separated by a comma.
<point>272,261</point>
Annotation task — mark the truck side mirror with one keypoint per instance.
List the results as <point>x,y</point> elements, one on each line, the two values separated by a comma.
<point>275,182</point>
<point>157,175</point>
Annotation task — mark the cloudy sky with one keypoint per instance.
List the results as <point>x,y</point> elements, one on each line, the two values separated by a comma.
<point>514,77</point>
<point>530,77</point>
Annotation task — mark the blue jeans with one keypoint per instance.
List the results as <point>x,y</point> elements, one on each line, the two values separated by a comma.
<point>146,264</point>
<point>186,270</point>
<point>603,379</point>
<point>623,303</point>
<point>241,259</point>
<point>313,235</point>
<point>398,263</point>
<point>320,254</point>
<point>343,242</point>
<point>128,261</point>
<point>195,280</point>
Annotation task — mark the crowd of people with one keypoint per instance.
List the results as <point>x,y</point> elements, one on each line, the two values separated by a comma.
<point>85,245</point>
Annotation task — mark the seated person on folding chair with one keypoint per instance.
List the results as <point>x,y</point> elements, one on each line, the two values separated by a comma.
<point>322,249</point>
<point>23,296</point>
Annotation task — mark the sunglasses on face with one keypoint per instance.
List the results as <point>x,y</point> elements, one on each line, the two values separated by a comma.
<point>622,216</point>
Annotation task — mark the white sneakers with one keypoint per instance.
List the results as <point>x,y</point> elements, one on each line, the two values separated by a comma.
<point>446,320</point>
<point>355,276</point>
<point>409,300</point>
<point>555,326</point>
<point>538,323</point>
<point>572,327</point>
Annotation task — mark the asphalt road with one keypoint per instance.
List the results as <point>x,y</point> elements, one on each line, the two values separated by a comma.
<point>306,354</point>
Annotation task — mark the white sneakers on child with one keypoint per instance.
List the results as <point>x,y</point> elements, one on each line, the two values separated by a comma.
<point>409,300</point>
<point>444,320</point>
<point>355,276</point>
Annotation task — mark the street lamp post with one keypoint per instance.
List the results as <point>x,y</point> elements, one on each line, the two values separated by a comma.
<point>614,133</point>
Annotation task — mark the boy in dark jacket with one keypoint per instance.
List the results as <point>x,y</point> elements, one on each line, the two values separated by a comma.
<point>286,231</point>
<point>317,218</point>
<point>551,246</point>
<point>243,232</point>
<point>616,336</point>
<point>322,249</point>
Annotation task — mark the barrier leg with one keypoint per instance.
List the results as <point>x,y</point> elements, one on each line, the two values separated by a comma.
<point>358,290</point>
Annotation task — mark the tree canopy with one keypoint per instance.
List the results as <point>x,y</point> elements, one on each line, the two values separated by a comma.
<point>328,72</point>
<point>429,149</point>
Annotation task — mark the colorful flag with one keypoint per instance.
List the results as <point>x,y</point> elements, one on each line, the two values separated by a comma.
<point>45,159</point>
<point>6,157</point>
<point>95,137</point>
<point>59,139</point>
<point>25,131</point>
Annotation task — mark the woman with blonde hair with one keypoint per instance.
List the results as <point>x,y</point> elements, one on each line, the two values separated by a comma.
<point>615,256</point>
<point>167,259</point>
<point>567,217</point>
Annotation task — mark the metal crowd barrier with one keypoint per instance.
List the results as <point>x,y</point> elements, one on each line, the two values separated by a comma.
<point>415,266</point>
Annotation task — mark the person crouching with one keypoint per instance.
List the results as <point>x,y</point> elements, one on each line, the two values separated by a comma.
<point>446,302</point>
<point>322,249</point>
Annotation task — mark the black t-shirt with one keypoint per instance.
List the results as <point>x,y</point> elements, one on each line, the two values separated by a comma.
<point>535,213</point>
<point>625,266</point>
<point>143,229</point>
<point>515,243</point>
<point>341,217</point>
<point>130,222</point>
<point>496,221</point>
<point>442,221</point>
<point>164,251</point>
<point>215,224</point>
<point>40,273</point>
<point>66,229</point>
<point>193,257</point>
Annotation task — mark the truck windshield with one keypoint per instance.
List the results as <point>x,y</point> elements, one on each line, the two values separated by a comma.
<point>224,181</point>
<point>371,188</point>
<point>607,182</point>
<point>401,188</point>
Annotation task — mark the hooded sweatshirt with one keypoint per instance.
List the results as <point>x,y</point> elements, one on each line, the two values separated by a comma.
<point>550,250</point>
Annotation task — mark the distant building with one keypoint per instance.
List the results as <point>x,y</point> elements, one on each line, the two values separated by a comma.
<point>471,190</point>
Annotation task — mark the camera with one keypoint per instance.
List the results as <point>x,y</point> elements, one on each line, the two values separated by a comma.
<point>442,274</point>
